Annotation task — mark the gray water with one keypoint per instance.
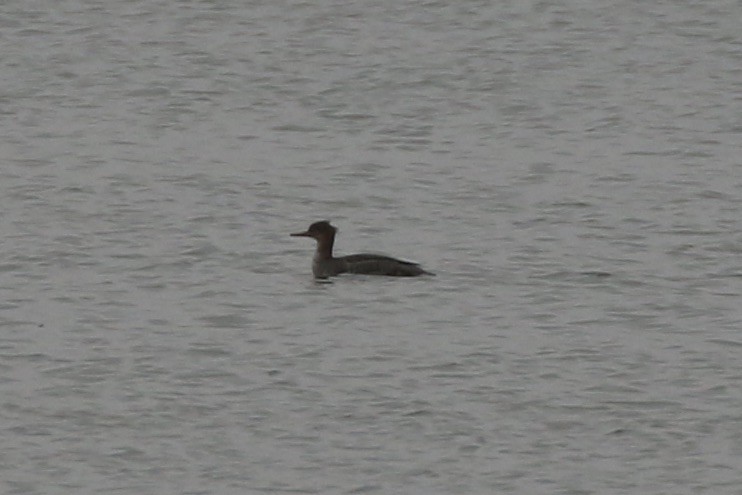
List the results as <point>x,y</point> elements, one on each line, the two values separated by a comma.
<point>570,170</point>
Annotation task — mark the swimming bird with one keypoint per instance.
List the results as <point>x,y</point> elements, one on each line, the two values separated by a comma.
<point>325,265</point>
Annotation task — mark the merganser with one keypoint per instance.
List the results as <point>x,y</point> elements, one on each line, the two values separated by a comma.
<point>326,265</point>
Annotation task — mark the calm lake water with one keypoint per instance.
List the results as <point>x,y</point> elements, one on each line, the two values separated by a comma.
<point>570,170</point>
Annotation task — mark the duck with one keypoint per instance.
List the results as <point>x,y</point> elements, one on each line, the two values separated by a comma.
<point>325,264</point>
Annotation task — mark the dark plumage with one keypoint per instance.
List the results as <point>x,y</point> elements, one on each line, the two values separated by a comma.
<point>326,265</point>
